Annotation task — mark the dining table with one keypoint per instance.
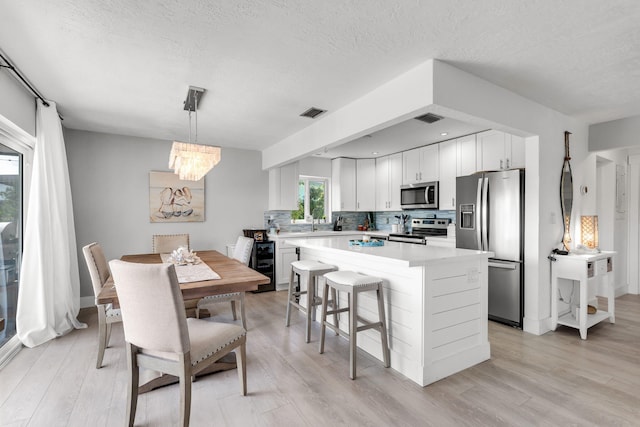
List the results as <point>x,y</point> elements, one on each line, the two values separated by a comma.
<point>234,276</point>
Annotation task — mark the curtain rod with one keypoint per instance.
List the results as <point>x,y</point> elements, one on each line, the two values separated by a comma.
<point>15,71</point>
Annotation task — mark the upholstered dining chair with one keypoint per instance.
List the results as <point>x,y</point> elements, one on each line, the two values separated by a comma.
<point>159,336</point>
<point>166,243</point>
<point>242,252</point>
<point>107,315</point>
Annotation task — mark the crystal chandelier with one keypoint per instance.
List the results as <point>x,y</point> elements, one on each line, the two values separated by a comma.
<point>191,161</point>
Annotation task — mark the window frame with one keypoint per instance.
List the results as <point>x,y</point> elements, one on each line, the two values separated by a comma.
<point>327,198</point>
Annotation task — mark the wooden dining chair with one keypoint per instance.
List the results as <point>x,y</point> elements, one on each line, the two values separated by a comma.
<point>167,243</point>
<point>107,315</point>
<point>242,252</point>
<point>160,337</point>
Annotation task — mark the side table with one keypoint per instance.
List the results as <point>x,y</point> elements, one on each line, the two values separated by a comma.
<point>590,270</point>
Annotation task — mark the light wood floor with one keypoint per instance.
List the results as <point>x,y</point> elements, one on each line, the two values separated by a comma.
<point>551,380</point>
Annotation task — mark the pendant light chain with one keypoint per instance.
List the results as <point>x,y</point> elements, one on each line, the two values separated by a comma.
<point>196,99</point>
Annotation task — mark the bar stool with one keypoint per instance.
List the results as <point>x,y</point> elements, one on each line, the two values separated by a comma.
<point>311,270</point>
<point>353,283</point>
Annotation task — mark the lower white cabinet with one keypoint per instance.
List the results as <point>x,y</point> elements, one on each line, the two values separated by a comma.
<point>285,255</point>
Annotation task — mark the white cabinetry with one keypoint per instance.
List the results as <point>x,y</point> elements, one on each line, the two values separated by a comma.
<point>365,184</point>
<point>448,173</point>
<point>388,182</point>
<point>343,184</point>
<point>285,255</point>
<point>594,274</point>
<point>499,151</point>
<point>420,165</point>
<point>466,163</point>
<point>283,188</point>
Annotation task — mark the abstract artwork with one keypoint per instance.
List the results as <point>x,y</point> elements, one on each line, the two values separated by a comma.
<point>174,200</point>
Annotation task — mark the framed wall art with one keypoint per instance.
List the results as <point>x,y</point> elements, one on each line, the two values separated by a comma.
<point>174,200</point>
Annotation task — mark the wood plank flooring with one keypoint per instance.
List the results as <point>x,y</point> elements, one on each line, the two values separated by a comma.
<point>550,380</point>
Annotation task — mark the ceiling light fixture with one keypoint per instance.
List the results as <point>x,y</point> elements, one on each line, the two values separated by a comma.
<point>444,134</point>
<point>192,161</point>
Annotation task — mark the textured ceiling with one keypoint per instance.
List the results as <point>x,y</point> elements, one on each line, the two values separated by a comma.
<point>124,66</point>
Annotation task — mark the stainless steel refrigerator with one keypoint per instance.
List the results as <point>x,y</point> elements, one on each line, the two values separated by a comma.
<point>490,217</point>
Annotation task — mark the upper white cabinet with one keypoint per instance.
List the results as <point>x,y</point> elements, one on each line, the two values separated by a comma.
<point>283,188</point>
<point>517,152</point>
<point>448,173</point>
<point>388,182</point>
<point>365,184</point>
<point>343,184</point>
<point>498,151</point>
<point>466,163</point>
<point>420,165</point>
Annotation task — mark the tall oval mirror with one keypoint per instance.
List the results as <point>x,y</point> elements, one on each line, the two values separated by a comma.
<point>566,194</point>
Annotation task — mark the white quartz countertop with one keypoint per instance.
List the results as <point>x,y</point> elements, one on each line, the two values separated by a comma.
<point>319,233</point>
<point>401,253</point>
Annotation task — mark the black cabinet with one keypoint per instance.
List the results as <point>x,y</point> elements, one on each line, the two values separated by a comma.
<point>263,260</point>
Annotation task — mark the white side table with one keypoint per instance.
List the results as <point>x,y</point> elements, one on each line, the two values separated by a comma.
<point>595,274</point>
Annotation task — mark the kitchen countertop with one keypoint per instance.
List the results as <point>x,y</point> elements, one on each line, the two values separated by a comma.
<point>408,255</point>
<point>318,233</point>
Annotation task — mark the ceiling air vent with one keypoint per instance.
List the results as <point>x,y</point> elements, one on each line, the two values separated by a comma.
<point>429,118</point>
<point>313,112</point>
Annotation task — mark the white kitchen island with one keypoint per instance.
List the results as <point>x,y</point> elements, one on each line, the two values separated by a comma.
<point>435,298</point>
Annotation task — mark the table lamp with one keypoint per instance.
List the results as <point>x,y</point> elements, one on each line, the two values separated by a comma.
<point>589,231</point>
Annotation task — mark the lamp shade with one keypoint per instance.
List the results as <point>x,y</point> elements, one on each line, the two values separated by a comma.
<point>192,161</point>
<point>589,231</point>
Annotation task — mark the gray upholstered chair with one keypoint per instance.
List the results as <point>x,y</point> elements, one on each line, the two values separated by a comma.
<point>167,243</point>
<point>107,315</point>
<point>242,252</point>
<point>159,336</point>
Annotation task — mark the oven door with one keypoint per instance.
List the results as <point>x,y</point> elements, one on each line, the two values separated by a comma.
<point>407,239</point>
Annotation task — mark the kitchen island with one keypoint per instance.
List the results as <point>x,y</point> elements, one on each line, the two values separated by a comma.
<point>435,300</point>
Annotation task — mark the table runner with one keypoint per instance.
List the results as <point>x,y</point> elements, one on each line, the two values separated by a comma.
<point>192,272</point>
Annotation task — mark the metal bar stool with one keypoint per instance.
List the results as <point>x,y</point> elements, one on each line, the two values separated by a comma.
<point>309,270</point>
<point>353,283</point>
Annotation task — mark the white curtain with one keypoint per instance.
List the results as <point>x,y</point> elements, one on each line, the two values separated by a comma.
<point>49,295</point>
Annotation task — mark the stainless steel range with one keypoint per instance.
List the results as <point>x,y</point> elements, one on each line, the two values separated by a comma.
<point>421,228</point>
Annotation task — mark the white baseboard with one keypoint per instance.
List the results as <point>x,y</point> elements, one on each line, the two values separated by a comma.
<point>86,302</point>
<point>536,326</point>
<point>8,350</point>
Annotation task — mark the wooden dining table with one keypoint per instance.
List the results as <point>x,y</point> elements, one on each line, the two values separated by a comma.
<point>234,277</point>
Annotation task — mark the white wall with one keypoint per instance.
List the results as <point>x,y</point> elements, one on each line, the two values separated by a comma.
<point>16,103</point>
<point>315,166</point>
<point>110,188</point>
<point>621,133</point>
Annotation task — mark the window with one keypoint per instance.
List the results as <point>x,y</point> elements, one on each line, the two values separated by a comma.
<point>312,199</point>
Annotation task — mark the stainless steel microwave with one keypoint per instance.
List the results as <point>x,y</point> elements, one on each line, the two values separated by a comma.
<point>419,196</point>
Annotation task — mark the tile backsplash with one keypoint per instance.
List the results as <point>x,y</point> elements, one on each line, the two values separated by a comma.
<point>351,220</point>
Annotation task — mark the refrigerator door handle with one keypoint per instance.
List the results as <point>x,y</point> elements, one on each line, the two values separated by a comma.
<point>478,214</point>
<point>506,266</point>
<point>485,213</point>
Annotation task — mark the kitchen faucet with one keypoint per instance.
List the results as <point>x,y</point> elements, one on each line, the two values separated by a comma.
<point>313,224</point>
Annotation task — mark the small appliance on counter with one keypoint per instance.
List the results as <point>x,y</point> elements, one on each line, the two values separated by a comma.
<point>337,224</point>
